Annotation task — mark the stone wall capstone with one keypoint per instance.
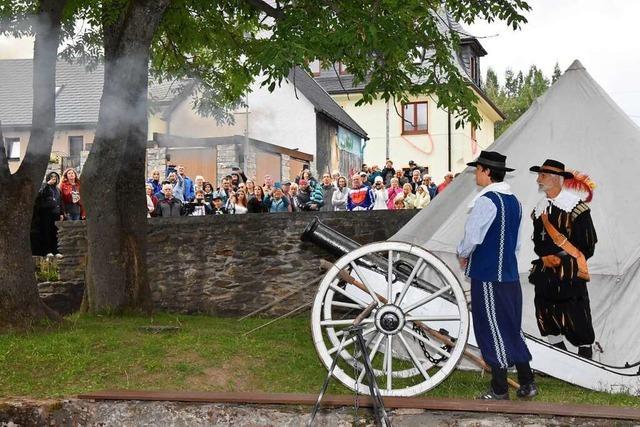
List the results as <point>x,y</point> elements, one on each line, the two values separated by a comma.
<point>234,264</point>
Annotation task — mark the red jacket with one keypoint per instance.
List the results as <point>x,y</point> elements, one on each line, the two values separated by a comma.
<point>65,191</point>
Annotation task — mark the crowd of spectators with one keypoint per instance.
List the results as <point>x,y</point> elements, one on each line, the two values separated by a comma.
<point>370,189</point>
<point>176,194</point>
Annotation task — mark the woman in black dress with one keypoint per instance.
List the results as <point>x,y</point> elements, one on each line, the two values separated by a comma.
<point>48,210</point>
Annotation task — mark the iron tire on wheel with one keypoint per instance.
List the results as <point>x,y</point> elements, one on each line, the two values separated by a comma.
<point>400,366</point>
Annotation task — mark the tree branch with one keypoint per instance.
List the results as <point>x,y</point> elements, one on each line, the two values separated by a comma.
<point>266,8</point>
<point>47,37</point>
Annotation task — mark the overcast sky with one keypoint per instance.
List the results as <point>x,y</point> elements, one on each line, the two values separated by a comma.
<point>602,34</point>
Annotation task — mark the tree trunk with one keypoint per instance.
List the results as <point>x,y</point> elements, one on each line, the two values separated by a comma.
<point>113,177</point>
<point>20,304</point>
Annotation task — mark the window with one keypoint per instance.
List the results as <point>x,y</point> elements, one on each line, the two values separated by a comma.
<point>76,144</point>
<point>342,69</point>
<point>473,65</point>
<point>12,146</point>
<point>414,118</point>
<point>473,133</point>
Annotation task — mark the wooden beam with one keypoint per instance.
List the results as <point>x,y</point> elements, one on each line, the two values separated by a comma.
<point>429,403</point>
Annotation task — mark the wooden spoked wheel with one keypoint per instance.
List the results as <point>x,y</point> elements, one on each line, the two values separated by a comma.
<point>415,335</point>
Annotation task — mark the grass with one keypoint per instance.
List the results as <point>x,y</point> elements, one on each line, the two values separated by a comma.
<point>47,269</point>
<point>205,354</point>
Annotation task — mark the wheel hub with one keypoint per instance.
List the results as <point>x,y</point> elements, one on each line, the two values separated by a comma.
<point>389,319</point>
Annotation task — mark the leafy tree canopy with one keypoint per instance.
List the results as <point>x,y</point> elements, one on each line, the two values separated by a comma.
<point>518,92</point>
<point>225,44</point>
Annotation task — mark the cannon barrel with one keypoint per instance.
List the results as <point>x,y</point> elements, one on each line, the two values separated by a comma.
<point>327,238</point>
<point>339,245</point>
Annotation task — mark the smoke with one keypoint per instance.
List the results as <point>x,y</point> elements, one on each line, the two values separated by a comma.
<point>124,104</point>
<point>16,48</point>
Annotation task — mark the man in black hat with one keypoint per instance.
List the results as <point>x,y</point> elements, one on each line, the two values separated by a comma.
<point>218,207</point>
<point>488,254</point>
<point>564,238</point>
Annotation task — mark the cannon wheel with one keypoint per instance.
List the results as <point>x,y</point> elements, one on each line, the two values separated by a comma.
<point>406,347</point>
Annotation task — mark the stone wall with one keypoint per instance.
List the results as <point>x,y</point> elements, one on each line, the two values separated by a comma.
<point>232,265</point>
<point>63,297</point>
<point>156,160</point>
<point>228,157</point>
<point>285,166</point>
<point>73,412</point>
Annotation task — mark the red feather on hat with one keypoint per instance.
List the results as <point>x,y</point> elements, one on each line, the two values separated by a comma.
<point>581,183</point>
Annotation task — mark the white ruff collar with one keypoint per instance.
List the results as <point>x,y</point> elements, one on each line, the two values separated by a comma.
<point>565,201</point>
<point>498,187</point>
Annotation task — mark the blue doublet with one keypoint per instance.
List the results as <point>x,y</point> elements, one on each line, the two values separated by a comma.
<point>494,260</point>
<point>496,297</point>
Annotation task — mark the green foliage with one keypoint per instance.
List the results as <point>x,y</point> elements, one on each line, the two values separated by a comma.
<point>518,93</point>
<point>47,269</point>
<point>226,44</point>
<point>207,354</point>
<point>556,73</point>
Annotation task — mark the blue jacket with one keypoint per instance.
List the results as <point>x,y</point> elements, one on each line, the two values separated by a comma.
<point>157,185</point>
<point>189,190</point>
<point>274,205</point>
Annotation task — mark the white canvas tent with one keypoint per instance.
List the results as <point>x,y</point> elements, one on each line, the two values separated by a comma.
<point>575,122</point>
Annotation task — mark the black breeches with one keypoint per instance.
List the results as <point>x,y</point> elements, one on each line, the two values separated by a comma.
<point>562,308</point>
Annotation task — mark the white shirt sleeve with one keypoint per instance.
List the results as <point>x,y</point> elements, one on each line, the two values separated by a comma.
<point>475,229</point>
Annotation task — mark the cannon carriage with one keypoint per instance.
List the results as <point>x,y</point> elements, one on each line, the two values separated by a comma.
<point>421,326</point>
<point>418,329</point>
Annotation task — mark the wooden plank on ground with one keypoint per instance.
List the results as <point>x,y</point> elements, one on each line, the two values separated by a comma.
<point>430,403</point>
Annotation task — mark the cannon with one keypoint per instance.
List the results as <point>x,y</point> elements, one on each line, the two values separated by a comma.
<point>417,331</point>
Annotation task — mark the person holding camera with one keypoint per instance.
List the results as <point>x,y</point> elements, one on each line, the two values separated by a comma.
<point>276,202</point>
<point>237,177</point>
<point>388,172</point>
<point>380,194</point>
<point>199,206</point>
<point>307,176</point>
<point>392,192</point>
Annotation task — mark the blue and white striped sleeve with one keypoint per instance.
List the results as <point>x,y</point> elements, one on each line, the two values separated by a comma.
<point>477,225</point>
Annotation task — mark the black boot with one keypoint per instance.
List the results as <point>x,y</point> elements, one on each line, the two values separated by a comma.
<point>585,351</point>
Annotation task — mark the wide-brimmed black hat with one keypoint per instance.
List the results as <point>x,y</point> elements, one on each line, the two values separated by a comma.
<point>553,167</point>
<point>493,160</point>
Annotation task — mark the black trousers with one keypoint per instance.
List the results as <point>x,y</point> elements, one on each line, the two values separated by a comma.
<point>562,308</point>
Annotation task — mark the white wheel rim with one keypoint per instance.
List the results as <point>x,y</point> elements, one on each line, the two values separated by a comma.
<point>425,375</point>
